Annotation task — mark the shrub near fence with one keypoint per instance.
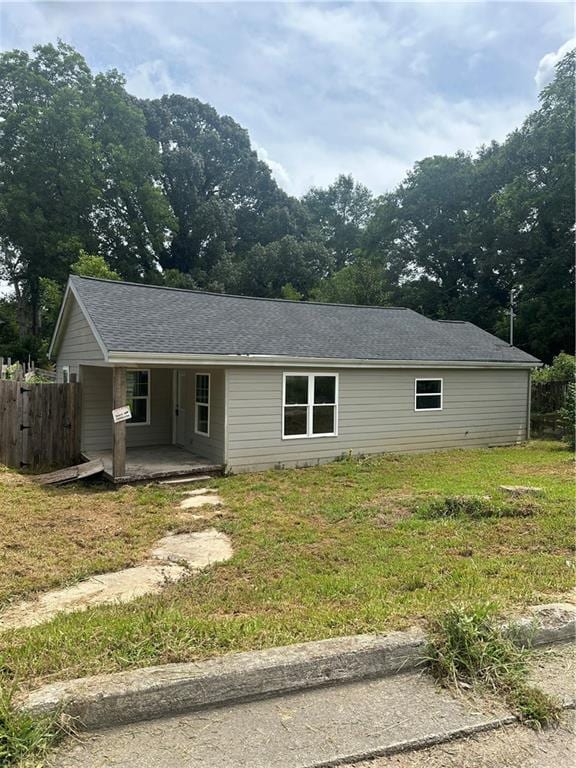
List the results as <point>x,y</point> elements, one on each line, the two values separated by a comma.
<point>39,424</point>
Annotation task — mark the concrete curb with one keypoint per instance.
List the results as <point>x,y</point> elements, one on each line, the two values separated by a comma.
<point>154,692</point>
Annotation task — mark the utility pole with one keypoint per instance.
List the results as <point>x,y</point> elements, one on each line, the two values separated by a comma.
<point>512,316</point>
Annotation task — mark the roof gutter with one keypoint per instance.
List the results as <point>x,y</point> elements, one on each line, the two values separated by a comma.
<point>175,359</point>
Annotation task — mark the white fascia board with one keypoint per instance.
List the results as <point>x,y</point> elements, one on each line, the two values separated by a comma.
<point>176,359</point>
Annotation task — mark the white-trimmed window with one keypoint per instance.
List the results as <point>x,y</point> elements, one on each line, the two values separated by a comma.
<point>202,414</point>
<point>310,405</point>
<point>138,395</point>
<point>428,394</point>
<point>65,374</point>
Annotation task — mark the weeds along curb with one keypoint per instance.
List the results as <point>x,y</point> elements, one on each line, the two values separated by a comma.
<point>153,692</point>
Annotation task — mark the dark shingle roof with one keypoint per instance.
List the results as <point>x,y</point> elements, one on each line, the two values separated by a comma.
<point>139,318</point>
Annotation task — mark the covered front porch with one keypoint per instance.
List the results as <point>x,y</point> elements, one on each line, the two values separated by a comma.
<point>177,420</point>
<point>155,462</point>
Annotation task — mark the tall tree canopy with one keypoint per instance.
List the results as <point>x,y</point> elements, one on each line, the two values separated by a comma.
<point>77,170</point>
<point>339,215</point>
<point>224,197</point>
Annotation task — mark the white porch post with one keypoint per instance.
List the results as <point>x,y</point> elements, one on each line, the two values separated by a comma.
<point>119,428</point>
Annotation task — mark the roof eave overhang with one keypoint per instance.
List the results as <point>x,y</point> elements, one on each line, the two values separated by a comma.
<point>177,359</point>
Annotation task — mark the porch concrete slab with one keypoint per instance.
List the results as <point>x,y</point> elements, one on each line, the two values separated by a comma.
<point>197,550</point>
<point>156,461</point>
<point>311,729</point>
<point>119,587</point>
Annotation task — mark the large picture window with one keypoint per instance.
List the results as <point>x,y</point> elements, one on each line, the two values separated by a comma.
<point>138,396</point>
<point>203,404</point>
<point>310,405</point>
<point>428,395</point>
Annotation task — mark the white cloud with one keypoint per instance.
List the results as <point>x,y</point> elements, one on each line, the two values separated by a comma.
<point>546,65</point>
<point>385,150</point>
<point>278,171</point>
<point>150,80</point>
<point>344,26</point>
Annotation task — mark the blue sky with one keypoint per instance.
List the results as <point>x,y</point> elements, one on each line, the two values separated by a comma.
<point>325,88</point>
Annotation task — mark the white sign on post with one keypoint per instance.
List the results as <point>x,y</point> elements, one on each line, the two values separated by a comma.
<point>121,414</point>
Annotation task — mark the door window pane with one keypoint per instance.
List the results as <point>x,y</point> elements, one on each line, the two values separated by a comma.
<point>325,389</point>
<point>295,420</point>
<point>323,420</point>
<point>296,390</point>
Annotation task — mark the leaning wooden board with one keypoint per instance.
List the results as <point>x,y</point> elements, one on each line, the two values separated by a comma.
<point>69,474</point>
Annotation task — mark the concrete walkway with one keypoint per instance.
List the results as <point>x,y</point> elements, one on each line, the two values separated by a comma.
<point>181,554</point>
<point>320,727</point>
<point>512,746</point>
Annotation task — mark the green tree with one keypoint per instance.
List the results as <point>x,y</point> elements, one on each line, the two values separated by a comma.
<point>90,265</point>
<point>535,217</point>
<point>76,171</point>
<point>268,270</point>
<point>223,196</point>
<point>338,216</point>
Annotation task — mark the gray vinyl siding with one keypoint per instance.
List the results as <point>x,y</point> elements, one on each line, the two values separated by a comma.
<point>376,414</point>
<point>78,346</point>
<point>97,410</point>
<point>211,447</point>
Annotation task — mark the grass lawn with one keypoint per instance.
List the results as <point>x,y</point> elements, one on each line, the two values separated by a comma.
<point>319,552</point>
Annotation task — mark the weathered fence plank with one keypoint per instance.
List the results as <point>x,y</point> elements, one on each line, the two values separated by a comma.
<point>39,424</point>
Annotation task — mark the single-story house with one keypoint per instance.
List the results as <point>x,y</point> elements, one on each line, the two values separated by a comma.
<point>243,383</point>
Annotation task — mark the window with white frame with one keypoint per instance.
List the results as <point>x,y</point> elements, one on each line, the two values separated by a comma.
<point>65,374</point>
<point>428,395</point>
<point>310,405</point>
<point>203,404</point>
<point>138,395</point>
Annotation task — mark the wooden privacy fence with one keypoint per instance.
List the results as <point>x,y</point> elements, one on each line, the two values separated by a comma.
<point>39,424</point>
<point>547,398</point>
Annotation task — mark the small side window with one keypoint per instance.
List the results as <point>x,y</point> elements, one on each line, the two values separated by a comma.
<point>203,404</point>
<point>428,395</point>
<point>65,374</point>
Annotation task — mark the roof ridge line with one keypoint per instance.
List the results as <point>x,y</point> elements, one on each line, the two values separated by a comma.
<point>235,295</point>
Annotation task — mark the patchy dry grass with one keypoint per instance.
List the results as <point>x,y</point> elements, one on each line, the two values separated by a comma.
<point>319,552</point>
<point>55,536</point>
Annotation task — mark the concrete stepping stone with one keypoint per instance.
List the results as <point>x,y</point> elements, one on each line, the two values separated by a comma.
<point>181,554</point>
<point>119,587</point>
<point>199,491</point>
<point>197,550</point>
<point>519,490</point>
<point>195,502</point>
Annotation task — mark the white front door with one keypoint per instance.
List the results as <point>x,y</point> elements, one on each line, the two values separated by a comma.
<point>180,408</point>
